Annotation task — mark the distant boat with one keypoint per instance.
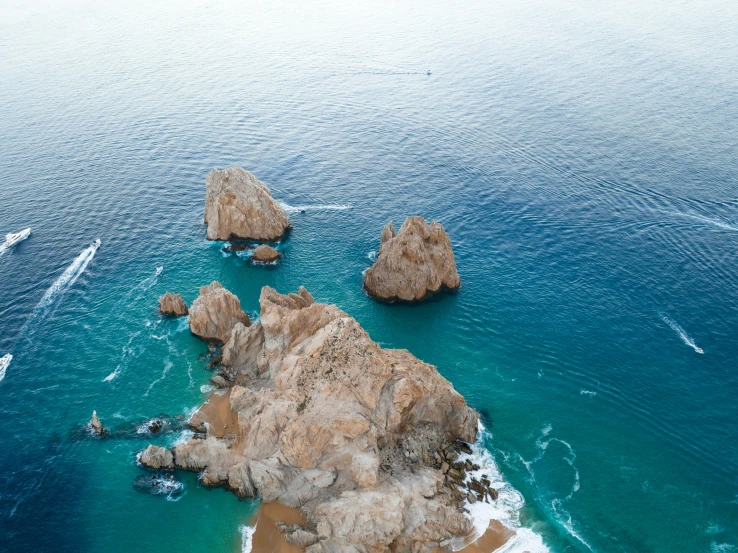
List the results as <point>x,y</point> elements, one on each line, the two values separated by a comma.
<point>12,238</point>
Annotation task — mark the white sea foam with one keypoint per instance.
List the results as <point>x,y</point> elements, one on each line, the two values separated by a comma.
<point>316,207</point>
<point>588,393</point>
<point>137,292</point>
<point>69,276</point>
<point>372,255</point>
<point>682,333</point>
<point>722,548</point>
<point>506,509</point>
<point>112,375</point>
<point>247,534</point>
<point>4,363</point>
<point>167,366</point>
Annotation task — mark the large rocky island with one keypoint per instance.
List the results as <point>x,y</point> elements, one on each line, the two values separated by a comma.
<point>240,206</point>
<point>413,263</point>
<point>364,440</point>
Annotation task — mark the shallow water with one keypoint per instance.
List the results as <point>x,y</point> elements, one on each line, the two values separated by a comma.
<point>583,158</point>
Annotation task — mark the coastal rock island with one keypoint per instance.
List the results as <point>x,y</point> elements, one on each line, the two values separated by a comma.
<point>215,312</point>
<point>240,206</point>
<point>265,254</point>
<point>413,263</point>
<point>172,305</point>
<point>319,417</point>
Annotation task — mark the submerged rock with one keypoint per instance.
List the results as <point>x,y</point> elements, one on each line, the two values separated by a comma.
<point>156,457</point>
<point>215,312</point>
<point>413,263</point>
<point>159,484</point>
<point>265,254</point>
<point>238,205</point>
<point>172,304</point>
<point>96,425</point>
<point>332,423</point>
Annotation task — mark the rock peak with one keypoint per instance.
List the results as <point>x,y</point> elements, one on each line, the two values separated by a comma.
<point>413,263</point>
<point>240,206</point>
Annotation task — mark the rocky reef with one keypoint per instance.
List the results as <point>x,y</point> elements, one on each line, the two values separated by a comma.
<point>317,416</point>
<point>172,305</point>
<point>215,312</point>
<point>413,263</point>
<point>265,254</point>
<point>240,206</point>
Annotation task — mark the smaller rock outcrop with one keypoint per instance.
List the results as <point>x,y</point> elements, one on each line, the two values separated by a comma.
<point>156,457</point>
<point>265,254</point>
<point>172,305</point>
<point>238,205</point>
<point>413,263</point>
<point>215,312</point>
<point>96,424</point>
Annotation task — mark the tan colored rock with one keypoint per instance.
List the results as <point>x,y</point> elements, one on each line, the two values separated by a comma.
<point>156,457</point>
<point>215,312</point>
<point>172,304</point>
<point>412,264</point>
<point>265,254</point>
<point>323,410</point>
<point>96,424</point>
<point>238,205</point>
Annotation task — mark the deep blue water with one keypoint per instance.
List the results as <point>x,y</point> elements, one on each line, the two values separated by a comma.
<point>583,158</point>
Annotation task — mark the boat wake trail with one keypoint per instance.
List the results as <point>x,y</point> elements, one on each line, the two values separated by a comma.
<point>4,362</point>
<point>69,276</point>
<point>718,223</point>
<point>317,207</point>
<point>138,290</point>
<point>682,333</point>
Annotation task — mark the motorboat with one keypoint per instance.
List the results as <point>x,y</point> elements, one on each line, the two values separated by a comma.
<point>12,238</point>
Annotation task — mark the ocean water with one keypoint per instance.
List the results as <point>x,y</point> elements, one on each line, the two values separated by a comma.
<point>583,157</point>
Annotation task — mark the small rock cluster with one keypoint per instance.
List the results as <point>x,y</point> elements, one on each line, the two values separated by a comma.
<point>446,458</point>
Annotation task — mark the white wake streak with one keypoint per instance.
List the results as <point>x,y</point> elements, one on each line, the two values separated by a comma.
<point>317,207</point>
<point>682,333</point>
<point>70,275</point>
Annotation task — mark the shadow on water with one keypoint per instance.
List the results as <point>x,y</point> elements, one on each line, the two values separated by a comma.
<point>42,500</point>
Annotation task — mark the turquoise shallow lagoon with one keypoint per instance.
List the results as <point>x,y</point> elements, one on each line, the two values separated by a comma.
<point>583,158</point>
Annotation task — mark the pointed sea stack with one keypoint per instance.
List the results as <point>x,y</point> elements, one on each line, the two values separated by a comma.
<point>413,263</point>
<point>240,206</point>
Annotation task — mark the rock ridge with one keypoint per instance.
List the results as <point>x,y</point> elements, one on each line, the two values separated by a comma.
<point>362,439</point>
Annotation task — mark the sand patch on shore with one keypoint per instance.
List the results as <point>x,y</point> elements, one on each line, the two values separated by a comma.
<point>495,537</point>
<point>217,414</point>
<point>266,538</point>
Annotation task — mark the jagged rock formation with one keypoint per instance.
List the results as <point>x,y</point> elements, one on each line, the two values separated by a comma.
<point>215,312</point>
<point>173,305</point>
<point>330,422</point>
<point>96,424</point>
<point>156,457</point>
<point>238,205</point>
<point>413,263</point>
<point>265,254</point>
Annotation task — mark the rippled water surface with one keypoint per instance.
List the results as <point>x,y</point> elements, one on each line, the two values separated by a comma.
<point>583,158</point>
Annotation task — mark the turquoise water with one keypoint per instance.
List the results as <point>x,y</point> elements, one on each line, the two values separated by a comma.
<point>583,158</point>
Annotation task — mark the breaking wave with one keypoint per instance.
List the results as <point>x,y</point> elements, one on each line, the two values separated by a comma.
<point>506,509</point>
<point>316,207</point>
<point>588,393</point>
<point>682,333</point>
<point>247,534</point>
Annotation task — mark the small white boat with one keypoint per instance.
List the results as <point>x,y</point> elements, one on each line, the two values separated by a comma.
<point>4,362</point>
<point>12,238</point>
<point>97,243</point>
